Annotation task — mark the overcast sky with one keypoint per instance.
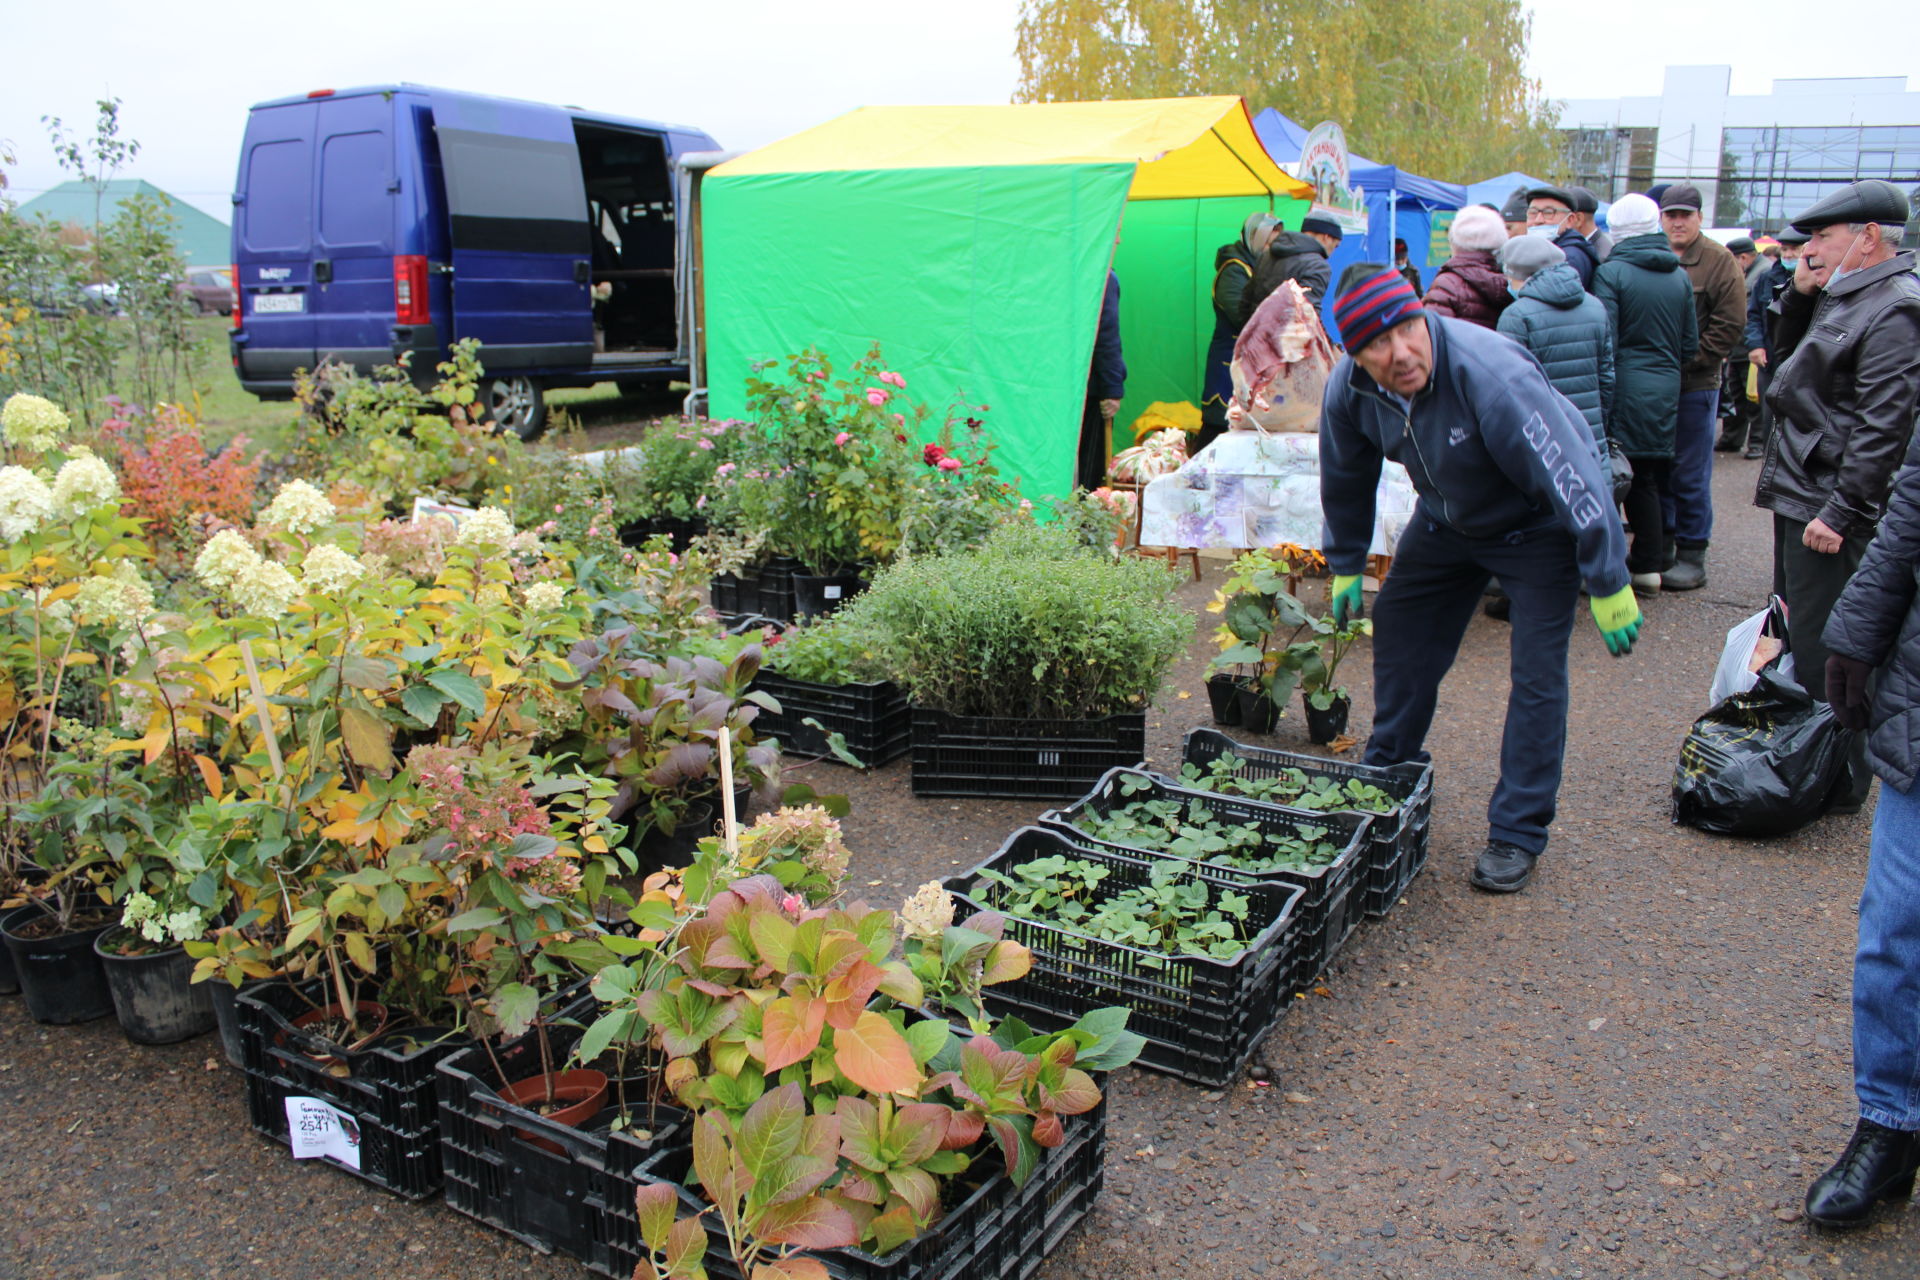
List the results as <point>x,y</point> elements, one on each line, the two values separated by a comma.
<point>746,71</point>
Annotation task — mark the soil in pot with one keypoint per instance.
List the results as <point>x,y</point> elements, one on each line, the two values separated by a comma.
<point>153,994</point>
<point>1258,712</point>
<point>1323,726</point>
<point>1223,694</point>
<point>59,973</point>
<point>816,595</point>
<point>564,1097</point>
<point>330,1023</point>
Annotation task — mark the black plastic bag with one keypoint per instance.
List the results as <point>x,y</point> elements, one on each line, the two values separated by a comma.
<point>1760,763</point>
<point>1621,468</point>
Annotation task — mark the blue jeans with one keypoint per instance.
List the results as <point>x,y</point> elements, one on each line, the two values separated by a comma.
<point>1886,968</point>
<point>1421,616</point>
<point>1687,501</point>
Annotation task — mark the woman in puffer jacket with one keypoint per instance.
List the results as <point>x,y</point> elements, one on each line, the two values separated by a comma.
<point>1469,285</point>
<point>1563,325</point>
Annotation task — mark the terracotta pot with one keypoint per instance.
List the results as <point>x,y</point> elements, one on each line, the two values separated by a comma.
<point>373,1018</point>
<point>578,1096</point>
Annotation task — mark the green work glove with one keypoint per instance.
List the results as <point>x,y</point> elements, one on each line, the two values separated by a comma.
<point>1345,600</point>
<point>1618,617</point>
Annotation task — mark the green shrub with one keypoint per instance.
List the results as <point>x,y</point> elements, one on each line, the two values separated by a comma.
<point>1032,626</point>
<point>838,649</point>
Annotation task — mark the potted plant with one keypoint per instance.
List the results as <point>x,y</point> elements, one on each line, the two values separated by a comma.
<point>1255,609</point>
<point>830,681</point>
<point>1326,700</point>
<point>1030,660</point>
<point>148,970</point>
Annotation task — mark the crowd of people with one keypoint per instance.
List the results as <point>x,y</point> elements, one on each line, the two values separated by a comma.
<point>1537,370</point>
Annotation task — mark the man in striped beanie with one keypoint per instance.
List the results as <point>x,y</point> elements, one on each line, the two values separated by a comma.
<point>1511,487</point>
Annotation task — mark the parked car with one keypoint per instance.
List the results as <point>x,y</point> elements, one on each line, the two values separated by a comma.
<point>209,289</point>
<point>369,223</point>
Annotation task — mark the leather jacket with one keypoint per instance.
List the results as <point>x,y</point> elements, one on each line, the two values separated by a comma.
<point>1844,402</point>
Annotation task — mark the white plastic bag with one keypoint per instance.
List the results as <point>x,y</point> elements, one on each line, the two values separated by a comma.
<point>1736,672</point>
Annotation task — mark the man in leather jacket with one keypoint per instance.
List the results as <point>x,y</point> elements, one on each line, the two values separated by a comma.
<point>1843,404</point>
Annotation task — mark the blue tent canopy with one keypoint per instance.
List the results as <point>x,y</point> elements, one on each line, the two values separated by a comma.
<point>1400,205</point>
<point>1494,191</point>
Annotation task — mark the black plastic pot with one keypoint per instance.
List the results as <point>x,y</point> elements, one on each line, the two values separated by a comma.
<point>1258,712</point>
<point>657,851</point>
<point>1324,726</point>
<point>9,980</point>
<point>1223,693</point>
<point>153,995</point>
<point>61,977</point>
<point>815,595</point>
<point>224,998</point>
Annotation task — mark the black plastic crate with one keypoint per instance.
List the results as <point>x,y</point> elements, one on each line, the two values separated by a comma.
<point>1399,838</point>
<point>1020,759</point>
<point>1335,894</point>
<point>992,1230</point>
<point>549,1185</point>
<point>1202,1018</point>
<point>874,718</point>
<point>388,1092</point>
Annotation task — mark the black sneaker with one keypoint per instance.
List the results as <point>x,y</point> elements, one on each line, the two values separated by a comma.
<point>1503,868</point>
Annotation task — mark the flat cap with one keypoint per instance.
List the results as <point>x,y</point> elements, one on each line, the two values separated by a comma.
<point>1515,209</point>
<point>1584,201</point>
<point>1681,195</point>
<point>1561,194</point>
<point>1791,235</point>
<point>1742,244</point>
<point>1655,192</point>
<point>1324,226</point>
<point>1868,200</point>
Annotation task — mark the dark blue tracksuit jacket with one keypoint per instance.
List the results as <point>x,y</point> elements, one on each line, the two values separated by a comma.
<point>1491,447</point>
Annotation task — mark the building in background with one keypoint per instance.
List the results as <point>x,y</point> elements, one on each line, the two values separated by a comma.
<point>204,240</point>
<point>1757,158</point>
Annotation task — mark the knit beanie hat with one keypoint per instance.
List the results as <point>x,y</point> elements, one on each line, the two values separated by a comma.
<point>1373,304</point>
<point>1633,215</point>
<point>1477,227</point>
<point>1523,256</point>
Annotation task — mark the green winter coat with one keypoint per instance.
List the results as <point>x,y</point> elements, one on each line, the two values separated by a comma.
<point>1649,301</point>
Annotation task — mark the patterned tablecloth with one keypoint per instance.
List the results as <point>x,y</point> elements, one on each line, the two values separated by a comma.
<point>1251,489</point>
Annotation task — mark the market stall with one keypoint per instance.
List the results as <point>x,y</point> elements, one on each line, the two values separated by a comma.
<point>974,243</point>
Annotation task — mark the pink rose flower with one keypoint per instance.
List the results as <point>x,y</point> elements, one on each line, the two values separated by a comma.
<point>893,379</point>
<point>842,438</point>
<point>899,419</point>
<point>949,463</point>
<point>704,444</point>
<point>876,397</point>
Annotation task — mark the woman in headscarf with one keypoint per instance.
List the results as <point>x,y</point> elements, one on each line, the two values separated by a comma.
<point>1232,273</point>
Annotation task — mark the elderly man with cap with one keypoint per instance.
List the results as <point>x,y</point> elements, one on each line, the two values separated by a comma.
<point>1510,485</point>
<point>1514,213</point>
<point>1759,333</point>
<point>1585,206</point>
<point>1550,213</point>
<point>1294,255</point>
<point>1737,413</point>
<point>1720,312</point>
<point>1844,396</point>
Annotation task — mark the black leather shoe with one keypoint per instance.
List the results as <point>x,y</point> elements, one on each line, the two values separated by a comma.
<point>1878,1164</point>
<point>1730,439</point>
<point>1503,868</point>
<point>1755,451</point>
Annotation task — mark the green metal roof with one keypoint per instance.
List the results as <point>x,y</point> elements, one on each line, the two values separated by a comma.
<point>204,240</point>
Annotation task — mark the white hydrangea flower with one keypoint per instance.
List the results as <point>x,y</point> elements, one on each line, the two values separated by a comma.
<point>487,527</point>
<point>31,422</point>
<point>927,913</point>
<point>226,556</point>
<point>184,926</point>
<point>25,502</point>
<point>298,508</point>
<point>265,589</point>
<point>376,564</point>
<point>545,597</point>
<point>119,595</point>
<point>83,483</point>
<point>57,616</point>
<point>141,912</point>
<point>328,570</point>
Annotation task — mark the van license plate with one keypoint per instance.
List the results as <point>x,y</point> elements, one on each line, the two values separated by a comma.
<point>268,303</point>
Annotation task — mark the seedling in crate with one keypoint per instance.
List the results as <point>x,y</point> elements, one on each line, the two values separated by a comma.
<point>1188,829</point>
<point>1293,787</point>
<point>1174,913</point>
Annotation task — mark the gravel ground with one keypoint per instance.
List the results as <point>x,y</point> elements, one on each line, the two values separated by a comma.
<point>1631,1069</point>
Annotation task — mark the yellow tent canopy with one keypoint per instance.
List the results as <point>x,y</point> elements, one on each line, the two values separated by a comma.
<point>1186,148</point>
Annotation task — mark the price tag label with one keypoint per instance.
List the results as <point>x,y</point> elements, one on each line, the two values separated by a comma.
<point>317,1130</point>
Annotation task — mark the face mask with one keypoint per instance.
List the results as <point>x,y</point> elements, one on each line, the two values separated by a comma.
<point>1546,229</point>
<point>1839,274</point>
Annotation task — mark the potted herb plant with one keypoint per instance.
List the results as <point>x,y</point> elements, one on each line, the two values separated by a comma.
<point>1327,702</point>
<point>1259,667</point>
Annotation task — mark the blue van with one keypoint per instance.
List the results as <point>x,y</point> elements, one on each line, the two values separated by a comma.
<point>398,218</point>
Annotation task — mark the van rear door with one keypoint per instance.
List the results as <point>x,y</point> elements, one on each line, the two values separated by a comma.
<point>518,225</point>
<point>351,299</point>
<point>273,241</point>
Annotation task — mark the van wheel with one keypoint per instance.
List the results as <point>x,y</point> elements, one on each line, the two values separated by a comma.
<point>517,405</point>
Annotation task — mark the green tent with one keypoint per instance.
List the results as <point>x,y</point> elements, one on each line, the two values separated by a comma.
<point>973,242</point>
<point>204,240</point>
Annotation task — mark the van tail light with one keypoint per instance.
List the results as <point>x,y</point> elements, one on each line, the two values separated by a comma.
<point>233,283</point>
<point>410,289</point>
